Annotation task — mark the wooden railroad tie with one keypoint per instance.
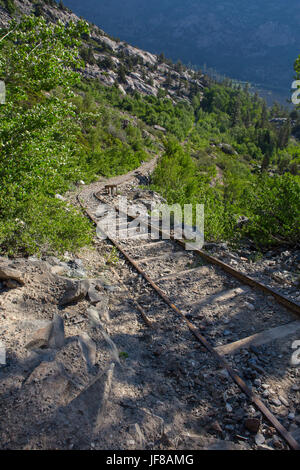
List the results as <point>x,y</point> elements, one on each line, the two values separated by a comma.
<point>111,189</point>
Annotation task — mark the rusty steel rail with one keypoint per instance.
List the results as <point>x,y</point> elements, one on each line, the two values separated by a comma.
<point>293,444</point>
<point>135,303</point>
<point>281,299</point>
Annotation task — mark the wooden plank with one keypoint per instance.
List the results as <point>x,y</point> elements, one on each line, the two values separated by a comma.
<point>177,254</point>
<point>260,338</point>
<point>131,237</point>
<point>219,297</point>
<point>152,244</point>
<point>202,269</point>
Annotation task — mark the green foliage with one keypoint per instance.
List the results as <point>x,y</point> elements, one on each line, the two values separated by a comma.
<point>9,5</point>
<point>45,225</point>
<point>221,150</point>
<point>122,74</point>
<point>176,119</point>
<point>123,355</point>
<point>107,63</point>
<point>178,179</point>
<point>36,158</point>
<point>245,119</point>
<point>273,205</point>
<point>55,130</point>
<point>112,257</point>
<point>86,53</point>
<point>33,66</point>
<point>271,202</point>
<point>109,147</point>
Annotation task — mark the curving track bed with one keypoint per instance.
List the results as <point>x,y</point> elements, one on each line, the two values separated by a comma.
<point>236,322</point>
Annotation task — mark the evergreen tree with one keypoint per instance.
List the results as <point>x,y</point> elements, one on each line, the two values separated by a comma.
<point>247,118</point>
<point>168,81</point>
<point>122,74</point>
<point>264,122</point>
<point>161,58</point>
<point>236,112</point>
<point>284,134</point>
<point>178,66</point>
<point>87,55</point>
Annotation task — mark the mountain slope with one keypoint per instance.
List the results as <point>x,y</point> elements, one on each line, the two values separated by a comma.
<point>116,62</point>
<point>253,41</point>
<point>58,129</point>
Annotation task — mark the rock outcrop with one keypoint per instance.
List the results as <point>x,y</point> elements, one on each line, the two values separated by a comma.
<point>112,61</point>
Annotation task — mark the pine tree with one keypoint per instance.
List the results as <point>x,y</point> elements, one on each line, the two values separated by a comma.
<point>266,161</point>
<point>122,74</point>
<point>169,80</point>
<point>275,110</point>
<point>247,118</point>
<point>178,66</point>
<point>284,134</point>
<point>236,113</point>
<point>264,122</point>
<point>161,58</point>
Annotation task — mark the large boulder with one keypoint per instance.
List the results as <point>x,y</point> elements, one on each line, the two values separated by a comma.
<point>8,273</point>
<point>51,335</point>
<point>226,148</point>
<point>75,291</point>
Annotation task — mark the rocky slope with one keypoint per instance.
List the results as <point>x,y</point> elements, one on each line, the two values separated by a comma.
<point>254,41</point>
<point>94,376</point>
<point>82,369</point>
<point>112,61</point>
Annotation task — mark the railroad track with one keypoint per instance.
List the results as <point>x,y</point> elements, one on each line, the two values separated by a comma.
<point>207,295</point>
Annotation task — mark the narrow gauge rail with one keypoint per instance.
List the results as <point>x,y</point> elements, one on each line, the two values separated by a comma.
<point>292,306</point>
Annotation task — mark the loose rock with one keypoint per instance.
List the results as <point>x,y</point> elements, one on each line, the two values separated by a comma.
<point>94,296</point>
<point>252,424</point>
<point>88,348</point>
<point>75,291</point>
<point>7,274</point>
<point>259,439</point>
<point>57,333</point>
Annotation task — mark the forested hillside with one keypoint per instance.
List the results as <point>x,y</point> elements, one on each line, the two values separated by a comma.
<point>253,41</point>
<point>219,144</point>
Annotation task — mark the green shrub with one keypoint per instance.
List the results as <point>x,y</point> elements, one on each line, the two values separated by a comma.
<point>47,226</point>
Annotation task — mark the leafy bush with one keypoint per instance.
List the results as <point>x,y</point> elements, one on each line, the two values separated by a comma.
<point>9,5</point>
<point>46,225</point>
<point>272,204</point>
<point>273,207</point>
<point>38,154</point>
